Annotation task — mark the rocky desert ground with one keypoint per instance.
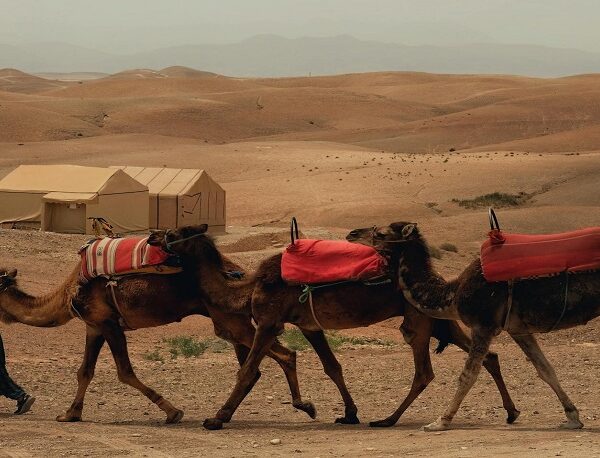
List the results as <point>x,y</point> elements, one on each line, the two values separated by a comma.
<point>337,152</point>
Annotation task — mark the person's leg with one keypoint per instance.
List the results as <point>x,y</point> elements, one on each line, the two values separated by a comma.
<point>10,389</point>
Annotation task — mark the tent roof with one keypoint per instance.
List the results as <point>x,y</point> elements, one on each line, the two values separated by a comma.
<point>163,180</point>
<point>63,178</point>
<point>70,196</point>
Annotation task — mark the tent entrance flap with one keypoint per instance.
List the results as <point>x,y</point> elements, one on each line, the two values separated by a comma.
<point>66,217</point>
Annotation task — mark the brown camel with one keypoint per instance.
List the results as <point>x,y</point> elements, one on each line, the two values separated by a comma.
<point>343,306</point>
<point>144,300</point>
<point>538,305</point>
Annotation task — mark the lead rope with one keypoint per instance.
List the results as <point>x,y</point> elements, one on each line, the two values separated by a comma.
<point>564,304</point>
<point>312,310</point>
<point>509,304</point>
<point>112,283</point>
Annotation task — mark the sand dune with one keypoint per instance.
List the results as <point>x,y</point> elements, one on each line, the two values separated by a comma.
<point>394,111</point>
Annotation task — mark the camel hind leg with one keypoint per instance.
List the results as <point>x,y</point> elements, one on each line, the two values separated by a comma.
<point>532,350</point>
<point>333,369</point>
<point>491,364</point>
<point>94,341</point>
<point>115,337</point>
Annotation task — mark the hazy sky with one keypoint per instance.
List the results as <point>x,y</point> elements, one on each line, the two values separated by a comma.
<point>124,26</point>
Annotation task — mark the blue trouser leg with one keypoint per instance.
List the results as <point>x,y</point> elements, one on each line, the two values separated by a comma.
<point>8,388</point>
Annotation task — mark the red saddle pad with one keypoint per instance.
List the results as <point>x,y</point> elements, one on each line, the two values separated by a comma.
<point>111,256</point>
<point>507,256</point>
<point>309,261</point>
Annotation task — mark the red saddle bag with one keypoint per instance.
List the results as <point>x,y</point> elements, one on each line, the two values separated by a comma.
<point>506,256</point>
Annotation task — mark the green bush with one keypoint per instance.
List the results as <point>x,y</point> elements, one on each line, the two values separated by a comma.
<point>186,346</point>
<point>295,340</point>
<point>495,199</point>
<point>153,356</point>
<point>449,247</point>
<point>435,252</point>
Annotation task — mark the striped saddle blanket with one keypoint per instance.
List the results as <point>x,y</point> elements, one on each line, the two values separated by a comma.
<point>121,256</point>
<point>506,256</point>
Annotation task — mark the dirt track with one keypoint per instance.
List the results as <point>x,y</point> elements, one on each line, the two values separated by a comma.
<point>120,421</point>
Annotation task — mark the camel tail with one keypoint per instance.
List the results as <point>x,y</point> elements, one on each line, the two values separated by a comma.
<point>443,333</point>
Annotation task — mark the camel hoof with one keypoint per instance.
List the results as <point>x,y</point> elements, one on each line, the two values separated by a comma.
<point>67,418</point>
<point>307,407</point>
<point>212,424</point>
<point>382,423</point>
<point>438,425</point>
<point>571,424</point>
<point>512,416</point>
<point>347,420</point>
<point>174,417</point>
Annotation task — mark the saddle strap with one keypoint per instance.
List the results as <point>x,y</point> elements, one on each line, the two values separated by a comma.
<point>112,283</point>
<point>312,310</point>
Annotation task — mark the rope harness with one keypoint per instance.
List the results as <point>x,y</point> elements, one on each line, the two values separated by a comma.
<point>168,245</point>
<point>112,282</point>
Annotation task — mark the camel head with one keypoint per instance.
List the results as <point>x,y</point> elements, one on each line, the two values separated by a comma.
<point>188,242</point>
<point>401,240</point>
<point>383,237</point>
<point>8,278</point>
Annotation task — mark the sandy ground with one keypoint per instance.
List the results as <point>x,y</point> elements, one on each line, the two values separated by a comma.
<point>119,421</point>
<point>338,153</point>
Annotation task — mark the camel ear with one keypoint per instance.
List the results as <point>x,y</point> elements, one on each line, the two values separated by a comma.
<point>203,228</point>
<point>409,230</point>
<point>12,273</point>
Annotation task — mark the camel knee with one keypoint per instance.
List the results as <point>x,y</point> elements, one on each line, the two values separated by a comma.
<point>288,360</point>
<point>126,376</point>
<point>333,369</point>
<point>84,374</point>
<point>408,335</point>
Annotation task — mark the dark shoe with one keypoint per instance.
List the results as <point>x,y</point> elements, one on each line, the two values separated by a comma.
<point>24,404</point>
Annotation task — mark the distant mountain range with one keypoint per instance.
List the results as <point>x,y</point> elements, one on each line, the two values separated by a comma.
<point>273,55</point>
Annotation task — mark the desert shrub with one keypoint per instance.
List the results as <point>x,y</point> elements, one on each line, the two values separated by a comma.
<point>186,346</point>
<point>295,340</point>
<point>495,199</point>
<point>153,356</point>
<point>435,252</point>
<point>449,247</point>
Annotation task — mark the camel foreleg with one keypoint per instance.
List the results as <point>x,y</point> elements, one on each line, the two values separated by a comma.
<point>94,341</point>
<point>532,350</point>
<point>238,330</point>
<point>419,342</point>
<point>263,339</point>
<point>492,365</point>
<point>482,339</point>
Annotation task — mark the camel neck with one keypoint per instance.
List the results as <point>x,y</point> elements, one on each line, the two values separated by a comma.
<point>231,295</point>
<point>49,310</point>
<point>423,287</point>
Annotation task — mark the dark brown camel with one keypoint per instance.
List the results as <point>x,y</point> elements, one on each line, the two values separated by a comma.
<point>144,301</point>
<point>350,305</point>
<point>538,305</point>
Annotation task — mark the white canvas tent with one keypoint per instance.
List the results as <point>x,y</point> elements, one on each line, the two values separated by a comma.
<point>180,197</point>
<point>60,198</point>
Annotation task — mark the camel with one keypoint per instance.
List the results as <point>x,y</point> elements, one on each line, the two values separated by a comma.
<point>342,306</point>
<point>539,305</point>
<point>144,300</point>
